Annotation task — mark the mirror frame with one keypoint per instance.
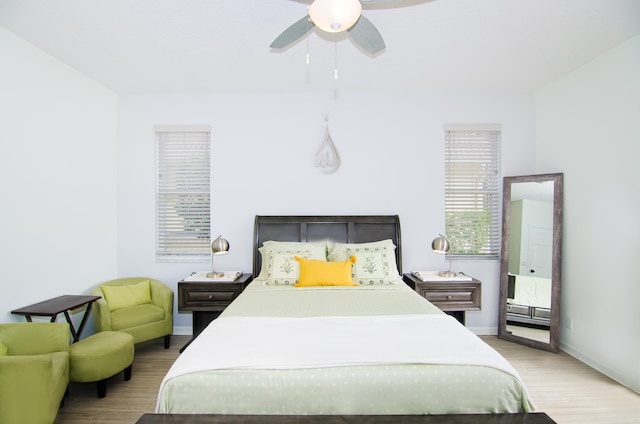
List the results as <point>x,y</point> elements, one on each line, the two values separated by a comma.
<point>556,262</point>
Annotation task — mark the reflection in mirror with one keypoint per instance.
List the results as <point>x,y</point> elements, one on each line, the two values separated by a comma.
<point>530,265</point>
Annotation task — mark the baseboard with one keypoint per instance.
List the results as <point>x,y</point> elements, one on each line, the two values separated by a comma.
<point>484,331</point>
<point>596,365</point>
<point>182,331</point>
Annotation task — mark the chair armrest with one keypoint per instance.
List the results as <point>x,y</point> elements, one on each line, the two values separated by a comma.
<point>162,296</point>
<point>36,338</point>
<point>34,369</point>
<point>101,314</point>
<point>27,383</point>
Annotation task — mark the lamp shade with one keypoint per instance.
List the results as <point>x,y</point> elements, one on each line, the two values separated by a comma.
<point>219,246</point>
<point>440,244</point>
<point>335,15</point>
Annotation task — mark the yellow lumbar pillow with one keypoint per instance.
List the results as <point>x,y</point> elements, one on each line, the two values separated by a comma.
<point>321,273</point>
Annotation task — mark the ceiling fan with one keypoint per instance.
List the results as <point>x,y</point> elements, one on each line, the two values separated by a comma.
<point>336,16</point>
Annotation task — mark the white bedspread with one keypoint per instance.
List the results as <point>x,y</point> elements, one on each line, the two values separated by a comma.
<point>296,343</point>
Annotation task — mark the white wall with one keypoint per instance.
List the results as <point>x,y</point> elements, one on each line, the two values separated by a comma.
<point>57,178</point>
<point>588,125</point>
<point>263,147</point>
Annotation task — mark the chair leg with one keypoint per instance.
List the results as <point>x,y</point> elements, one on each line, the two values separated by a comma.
<point>167,340</point>
<point>127,373</point>
<point>102,388</point>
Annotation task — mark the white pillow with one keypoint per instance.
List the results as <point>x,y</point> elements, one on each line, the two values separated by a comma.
<point>278,265</point>
<point>375,261</point>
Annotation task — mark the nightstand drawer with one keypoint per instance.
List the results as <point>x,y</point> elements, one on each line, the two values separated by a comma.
<point>447,296</point>
<point>204,297</point>
<point>196,297</point>
<point>451,299</point>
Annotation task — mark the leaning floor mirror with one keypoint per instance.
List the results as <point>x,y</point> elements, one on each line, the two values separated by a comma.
<point>530,262</point>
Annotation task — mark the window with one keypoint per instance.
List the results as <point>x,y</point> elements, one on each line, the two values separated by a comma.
<point>182,193</point>
<point>472,190</point>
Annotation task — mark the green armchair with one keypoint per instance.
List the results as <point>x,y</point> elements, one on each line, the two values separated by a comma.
<point>34,371</point>
<point>140,306</point>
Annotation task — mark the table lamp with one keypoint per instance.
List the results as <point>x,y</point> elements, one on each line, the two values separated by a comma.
<point>219,246</point>
<point>441,245</point>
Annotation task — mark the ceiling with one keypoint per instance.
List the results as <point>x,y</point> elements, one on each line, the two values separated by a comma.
<point>159,46</point>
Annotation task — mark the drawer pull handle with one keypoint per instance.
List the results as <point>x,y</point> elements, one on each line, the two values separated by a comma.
<point>210,296</point>
<point>449,297</point>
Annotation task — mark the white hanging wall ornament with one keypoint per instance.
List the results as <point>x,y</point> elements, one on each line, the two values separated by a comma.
<point>328,158</point>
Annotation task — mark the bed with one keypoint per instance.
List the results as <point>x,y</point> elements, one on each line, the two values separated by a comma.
<point>372,348</point>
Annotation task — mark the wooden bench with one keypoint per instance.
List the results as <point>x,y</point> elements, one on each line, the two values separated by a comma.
<point>534,418</point>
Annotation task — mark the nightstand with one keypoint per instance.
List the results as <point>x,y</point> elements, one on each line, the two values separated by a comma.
<point>451,296</point>
<point>207,300</point>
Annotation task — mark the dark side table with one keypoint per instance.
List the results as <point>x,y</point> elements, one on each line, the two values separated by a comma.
<point>61,304</point>
<point>451,296</point>
<point>207,299</point>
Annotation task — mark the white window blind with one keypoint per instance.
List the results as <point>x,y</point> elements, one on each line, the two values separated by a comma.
<point>182,193</point>
<point>472,190</point>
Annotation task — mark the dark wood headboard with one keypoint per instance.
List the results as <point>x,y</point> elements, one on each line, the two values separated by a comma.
<point>339,229</point>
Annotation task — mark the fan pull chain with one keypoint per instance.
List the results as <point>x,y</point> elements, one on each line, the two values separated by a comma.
<point>335,69</point>
<point>307,38</point>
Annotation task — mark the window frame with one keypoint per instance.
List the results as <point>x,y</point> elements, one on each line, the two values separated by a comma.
<point>473,199</point>
<point>182,193</point>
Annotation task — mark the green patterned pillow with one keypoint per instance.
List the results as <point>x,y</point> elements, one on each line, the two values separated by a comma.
<point>375,264</point>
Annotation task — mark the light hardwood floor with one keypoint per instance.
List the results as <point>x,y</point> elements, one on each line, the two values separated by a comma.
<point>560,385</point>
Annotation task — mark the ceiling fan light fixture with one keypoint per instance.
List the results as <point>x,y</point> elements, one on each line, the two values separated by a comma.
<point>335,15</point>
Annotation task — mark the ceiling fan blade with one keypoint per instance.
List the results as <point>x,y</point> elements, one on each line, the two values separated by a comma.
<point>293,33</point>
<point>366,35</point>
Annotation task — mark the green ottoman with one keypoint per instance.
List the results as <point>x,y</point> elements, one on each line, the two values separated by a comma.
<point>101,356</point>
